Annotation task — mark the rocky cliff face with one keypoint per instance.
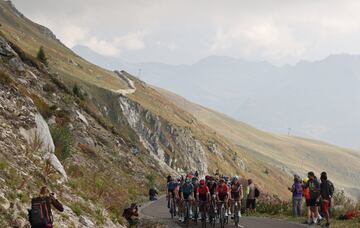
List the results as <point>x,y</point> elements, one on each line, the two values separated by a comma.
<point>172,146</point>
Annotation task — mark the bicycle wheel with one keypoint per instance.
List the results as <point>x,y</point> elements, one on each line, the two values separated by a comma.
<point>187,214</point>
<point>203,220</point>
<point>196,214</point>
<point>171,208</point>
<point>222,217</point>
<point>236,215</point>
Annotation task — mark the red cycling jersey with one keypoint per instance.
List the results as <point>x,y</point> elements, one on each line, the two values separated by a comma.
<point>222,189</point>
<point>203,191</point>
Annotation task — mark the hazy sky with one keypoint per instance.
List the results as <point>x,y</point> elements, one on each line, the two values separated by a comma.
<point>183,31</point>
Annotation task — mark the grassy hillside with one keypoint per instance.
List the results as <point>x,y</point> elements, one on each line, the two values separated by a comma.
<point>292,154</point>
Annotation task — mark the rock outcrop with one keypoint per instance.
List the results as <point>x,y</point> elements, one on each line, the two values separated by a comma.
<point>173,147</point>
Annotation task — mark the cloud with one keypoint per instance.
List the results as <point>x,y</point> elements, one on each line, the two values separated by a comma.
<point>274,30</point>
<point>263,40</point>
<point>114,47</point>
<point>102,47</point>
<point>168,45</point>
<point>131,41</point>
<point>72,35</point>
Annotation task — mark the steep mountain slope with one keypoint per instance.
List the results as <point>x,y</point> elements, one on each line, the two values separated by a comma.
<point>292,154</point>
<point>316,99</point>
<point>98,139</point>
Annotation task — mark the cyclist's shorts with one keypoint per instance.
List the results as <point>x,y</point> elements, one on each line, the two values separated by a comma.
<point>187,196</point>
<point>222,197</point>
<point>202,197</point>
<point>235,195</point>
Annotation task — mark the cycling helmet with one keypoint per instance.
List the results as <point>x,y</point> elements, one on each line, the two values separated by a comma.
<point>225,178</point>
<point>194,179</point>
<point>202,182</point>
<point>305,180</point>
<point>187,180</point>
<point>235,178</point>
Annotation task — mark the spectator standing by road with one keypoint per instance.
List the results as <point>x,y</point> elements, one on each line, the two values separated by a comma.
<point>251,197</point>
<point>297,193</point>
<point>314,188</point>
<point>326,193</point>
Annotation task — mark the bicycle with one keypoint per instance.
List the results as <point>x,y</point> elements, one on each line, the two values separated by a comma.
<point>236,210</point>
<point>222,218</point>
<point>195,213</point>
<point>203,210</point>
<point>187,212</point>
<point>172,206</point>
<point>212,211</point>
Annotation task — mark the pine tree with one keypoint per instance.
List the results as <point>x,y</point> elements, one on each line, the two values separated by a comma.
<point>41,56</point>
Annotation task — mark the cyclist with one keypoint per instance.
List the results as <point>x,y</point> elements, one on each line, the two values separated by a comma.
<point>195,183</point>
<point>236,191</point>
<point>222,194</point>
<point>186,190</point>
<point>179,202</point>
<point>203,195</point>
<point>170,187</point>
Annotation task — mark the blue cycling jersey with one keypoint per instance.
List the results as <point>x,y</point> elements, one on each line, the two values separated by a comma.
<point>172,185</point>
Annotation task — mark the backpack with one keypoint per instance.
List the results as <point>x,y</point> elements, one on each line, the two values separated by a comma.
<point>257,193</point>
<point>39,214</point>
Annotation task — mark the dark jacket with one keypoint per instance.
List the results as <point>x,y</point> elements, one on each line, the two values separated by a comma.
<point>153,192</point>
<point>130,212</point>
<point>326,189</point>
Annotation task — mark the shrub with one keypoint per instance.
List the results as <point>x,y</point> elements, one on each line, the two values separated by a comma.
<point>63,140</point>
<point>151,179</point>
<point>44,109</point>
<point>76,208</point>
<point>77,92</point>
<point>49,88</point>
<point>3,165</point>
<point>87,149</point>
<point>5,79</point>
<point>41,56</point>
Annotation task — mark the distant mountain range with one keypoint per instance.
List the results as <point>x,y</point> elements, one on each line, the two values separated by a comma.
<point>319,99</point>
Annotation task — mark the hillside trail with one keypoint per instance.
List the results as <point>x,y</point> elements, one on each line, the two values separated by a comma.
<point>158,210</point>
<point>128,81</point>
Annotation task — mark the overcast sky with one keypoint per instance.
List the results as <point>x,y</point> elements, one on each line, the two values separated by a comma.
<point>184,31</point>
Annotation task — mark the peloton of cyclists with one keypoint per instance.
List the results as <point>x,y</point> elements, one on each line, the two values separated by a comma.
<point>199,193</point>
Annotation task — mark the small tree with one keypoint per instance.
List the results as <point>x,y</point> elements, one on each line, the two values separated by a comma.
<point>42,56</point>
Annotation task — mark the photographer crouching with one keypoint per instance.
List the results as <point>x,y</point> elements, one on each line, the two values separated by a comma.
<point>131,214</point>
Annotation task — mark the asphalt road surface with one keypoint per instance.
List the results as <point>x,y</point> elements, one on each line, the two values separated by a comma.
<point>158,210</point>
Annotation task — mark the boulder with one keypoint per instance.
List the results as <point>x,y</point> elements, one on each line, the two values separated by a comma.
<point>86,222</point>
<point>16,65</point>
<point>42,131</point>
<point>5,49</point>
<point>82,118</point>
